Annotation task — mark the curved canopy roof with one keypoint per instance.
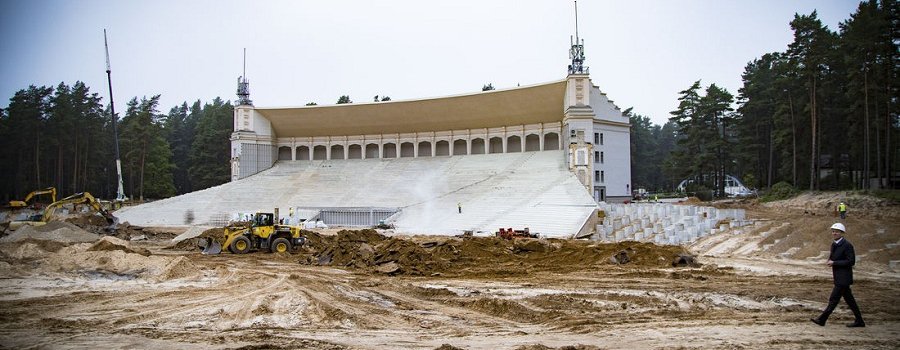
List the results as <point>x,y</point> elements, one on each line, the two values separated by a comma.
<point>522,105</point>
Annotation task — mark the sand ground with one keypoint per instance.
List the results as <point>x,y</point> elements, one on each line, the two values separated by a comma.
<point>755,290</point>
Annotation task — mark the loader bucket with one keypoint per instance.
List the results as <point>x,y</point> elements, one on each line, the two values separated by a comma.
<point>209,246</point>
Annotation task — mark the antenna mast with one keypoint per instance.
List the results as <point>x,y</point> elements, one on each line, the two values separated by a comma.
<point>576,52</point>
<point>120,192</point>
<point>243,90</point>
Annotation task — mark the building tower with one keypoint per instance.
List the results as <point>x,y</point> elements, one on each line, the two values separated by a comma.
<point>579,116</point>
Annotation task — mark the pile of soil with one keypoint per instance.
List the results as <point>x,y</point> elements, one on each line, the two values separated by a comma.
<point>109,243</point>
<point>825,203</point>
<point>190,244</point>
<point>480,256</point>
<point>97,224</point>
<point>57,231</point>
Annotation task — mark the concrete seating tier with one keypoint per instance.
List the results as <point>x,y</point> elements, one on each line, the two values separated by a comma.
<point>665,223</point>
<point>517,190</point>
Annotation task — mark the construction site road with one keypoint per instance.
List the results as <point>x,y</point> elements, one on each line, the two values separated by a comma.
<point>339,293</point>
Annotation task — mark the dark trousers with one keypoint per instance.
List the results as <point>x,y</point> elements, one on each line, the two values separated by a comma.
<point>837,293</point>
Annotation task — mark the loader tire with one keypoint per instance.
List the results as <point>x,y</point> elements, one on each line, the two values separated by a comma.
<point>240,245</point>
<point>281,245</point>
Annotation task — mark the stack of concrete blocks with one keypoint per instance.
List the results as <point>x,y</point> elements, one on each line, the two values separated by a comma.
<point>665,223</point>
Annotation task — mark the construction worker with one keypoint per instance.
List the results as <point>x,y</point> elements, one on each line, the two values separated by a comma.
<point>842,209</point>
<point>841,260</point>
<point>459,207</point>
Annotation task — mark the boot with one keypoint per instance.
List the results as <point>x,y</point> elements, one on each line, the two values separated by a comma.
<point>818,321</point>
<point>857,323</point>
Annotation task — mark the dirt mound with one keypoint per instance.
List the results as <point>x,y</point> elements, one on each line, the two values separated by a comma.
<point>190,244</point>
<point>115,261</point>
<point>179,267</point>
<point>485,256</point>
<point>109,243</point>
<point>825,203</point>
<point>98,225</point>
<point>53,231</point>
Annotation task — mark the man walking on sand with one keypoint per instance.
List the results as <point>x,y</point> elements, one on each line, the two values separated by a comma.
<point>841,260</point>
<point>842,209</point>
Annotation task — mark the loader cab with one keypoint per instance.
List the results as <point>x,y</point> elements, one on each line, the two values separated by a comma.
<point>263,224</point>
<point>264,219</point>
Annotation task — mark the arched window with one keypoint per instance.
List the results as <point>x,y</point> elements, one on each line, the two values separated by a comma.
<point>459,148</point>
<point>478,146</point>
<point>496,145</point>
<point>513,144</point>
<point>551,141</point>
<point>337,152</point>
<point>442,148</point>
<point>390,150</point>
<point>284,153</point>
<point>354,152</point>
<point>320,152</point>
<point>407,149</point>
<point>302,153</point>
<point>372,151</point>
<point>532,143</point>
<point>424,149</point>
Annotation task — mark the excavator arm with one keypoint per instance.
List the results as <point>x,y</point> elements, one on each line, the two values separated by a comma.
<point>78,198</point>
<point>24,203</point>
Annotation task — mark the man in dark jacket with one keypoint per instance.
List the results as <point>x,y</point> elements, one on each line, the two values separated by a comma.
<point>841,260</point>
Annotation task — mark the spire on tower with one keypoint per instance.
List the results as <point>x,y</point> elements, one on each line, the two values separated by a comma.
<point>576,52</point>
<point>243,89</point>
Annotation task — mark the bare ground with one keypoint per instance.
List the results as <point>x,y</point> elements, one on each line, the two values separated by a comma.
<point>753,290</point>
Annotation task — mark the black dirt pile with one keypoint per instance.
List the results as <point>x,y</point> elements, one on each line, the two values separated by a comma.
<point>474,256</point>
<point>97,224</point>
<point>191,244</point>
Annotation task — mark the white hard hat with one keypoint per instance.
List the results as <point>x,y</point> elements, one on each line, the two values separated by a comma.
<point>838,226</point>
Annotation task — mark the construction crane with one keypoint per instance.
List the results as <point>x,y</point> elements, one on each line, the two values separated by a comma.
<point>120,192</point>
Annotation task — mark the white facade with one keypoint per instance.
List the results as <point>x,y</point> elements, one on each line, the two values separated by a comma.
<point>598,128</point>
<point>589,126</point>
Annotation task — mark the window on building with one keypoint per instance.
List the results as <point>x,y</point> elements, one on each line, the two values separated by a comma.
<point>596,138</point>
<point>602,176</point>
<point>596,175</point>
<point>601,139</point>
<point>601,157</point>
<point>596,156</point>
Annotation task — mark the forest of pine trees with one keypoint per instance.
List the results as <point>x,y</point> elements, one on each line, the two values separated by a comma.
<point>62,137</point>
<point>822,115</point>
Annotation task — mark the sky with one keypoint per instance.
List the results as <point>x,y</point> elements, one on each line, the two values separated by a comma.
<point>641,53</point>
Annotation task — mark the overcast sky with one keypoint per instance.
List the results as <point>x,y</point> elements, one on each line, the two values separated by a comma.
<point>640,53</point>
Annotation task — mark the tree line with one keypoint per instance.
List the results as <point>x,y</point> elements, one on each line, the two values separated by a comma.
<point>63,137</point>
<point>820,115</point>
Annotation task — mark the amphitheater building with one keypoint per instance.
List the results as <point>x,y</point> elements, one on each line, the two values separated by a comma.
<point>540,156</point>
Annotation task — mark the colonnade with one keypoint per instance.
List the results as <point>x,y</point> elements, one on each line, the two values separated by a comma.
<point>523,138</point>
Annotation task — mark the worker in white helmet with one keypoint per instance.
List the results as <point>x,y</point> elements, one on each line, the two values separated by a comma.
<point>841,260</point>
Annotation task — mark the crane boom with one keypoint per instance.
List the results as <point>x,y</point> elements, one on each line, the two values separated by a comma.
<point>120,192</point>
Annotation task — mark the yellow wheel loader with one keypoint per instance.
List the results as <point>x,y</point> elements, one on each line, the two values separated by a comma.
<point>260,233</point>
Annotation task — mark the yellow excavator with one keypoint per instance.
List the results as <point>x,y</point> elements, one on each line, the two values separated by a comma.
<point>260,233</point>
<point>75,199</point>
<point>24,203</point>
